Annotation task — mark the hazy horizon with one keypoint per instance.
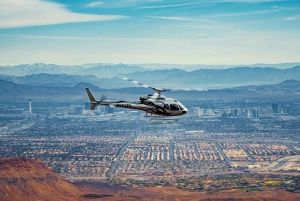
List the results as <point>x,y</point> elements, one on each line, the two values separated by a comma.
<point>162,66</point>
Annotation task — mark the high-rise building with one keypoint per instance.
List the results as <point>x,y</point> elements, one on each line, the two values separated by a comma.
<point>101,109</point>
<point>295,109</point>
<point>236,112</point>
<point>255,113</point>
<point>275,108</point>
<point>200,112</point>
<point>248,113</point>
<point>87,106</point>
<point>86,109</point>
<point>108,110</point>
<point>287,109</point>
<point>29,109</point>
<point>75,109</point>
<point>209,112</point>
<point>195,110</point>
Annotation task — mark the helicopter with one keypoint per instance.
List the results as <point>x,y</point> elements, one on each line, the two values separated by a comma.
<point>156,105</point>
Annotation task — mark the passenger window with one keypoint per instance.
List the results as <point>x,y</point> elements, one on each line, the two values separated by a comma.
<point>174,107</point>
<point>167,106</point>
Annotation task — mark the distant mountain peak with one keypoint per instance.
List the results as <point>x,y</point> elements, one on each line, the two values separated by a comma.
<point>85,85</point>
<point>291,81</point>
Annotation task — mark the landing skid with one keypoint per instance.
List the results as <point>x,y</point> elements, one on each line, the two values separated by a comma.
<point>162,120</point>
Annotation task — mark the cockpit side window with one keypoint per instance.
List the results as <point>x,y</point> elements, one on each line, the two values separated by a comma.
<point>174,107</point>
<point>167,106</point>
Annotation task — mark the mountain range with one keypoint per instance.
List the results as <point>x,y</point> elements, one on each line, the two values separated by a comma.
<point>12,90</point>
<point>219,78</point>
<point>173,78</point>
<point>192,67</point>
<point>44,79</point>
<point>100,70</point>
<point>108,70</point>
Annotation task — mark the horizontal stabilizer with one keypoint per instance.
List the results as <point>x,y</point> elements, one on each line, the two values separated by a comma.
<point>92,106</point>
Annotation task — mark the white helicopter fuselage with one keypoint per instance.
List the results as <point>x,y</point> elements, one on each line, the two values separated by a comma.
<point>166,107</point>
<point>153,104</point>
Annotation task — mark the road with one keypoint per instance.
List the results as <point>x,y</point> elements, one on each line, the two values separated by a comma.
<point>172,149</point>
<point>281,163</point>
<point>120,153</point>
<point>222,153</point>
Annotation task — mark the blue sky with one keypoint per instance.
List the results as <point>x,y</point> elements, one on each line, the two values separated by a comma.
<point>69,32</point>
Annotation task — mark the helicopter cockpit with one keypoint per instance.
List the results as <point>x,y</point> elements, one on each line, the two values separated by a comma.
<point>176,106</point>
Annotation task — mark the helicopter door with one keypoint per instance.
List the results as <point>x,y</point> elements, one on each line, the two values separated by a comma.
<point>174,107</point>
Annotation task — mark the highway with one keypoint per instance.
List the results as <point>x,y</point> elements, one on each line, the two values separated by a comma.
<point>281,163</point>
<point>222,153</point>
<point>120,153</point>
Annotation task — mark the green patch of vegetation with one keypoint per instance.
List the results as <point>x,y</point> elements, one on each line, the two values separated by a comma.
<point>226,179</point>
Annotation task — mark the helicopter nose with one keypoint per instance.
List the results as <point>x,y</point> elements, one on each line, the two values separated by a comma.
<point>184,112</point>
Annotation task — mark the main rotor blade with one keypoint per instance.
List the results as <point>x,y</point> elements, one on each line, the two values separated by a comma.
<point>141,84</point>
<point>159,90</point>
<point>183,89</point>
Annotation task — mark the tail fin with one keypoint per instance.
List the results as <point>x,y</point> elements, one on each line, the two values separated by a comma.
<point>93,101</point>
<point>91,97</point>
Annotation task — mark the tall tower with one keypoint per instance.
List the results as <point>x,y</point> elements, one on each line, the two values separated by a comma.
<point>29,110</point>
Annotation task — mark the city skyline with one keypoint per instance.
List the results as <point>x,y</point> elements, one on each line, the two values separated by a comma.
<point>80,145</point>
<point>230,32</point>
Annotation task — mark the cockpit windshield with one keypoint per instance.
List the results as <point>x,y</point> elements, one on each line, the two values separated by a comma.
<point>174,107</point>
<point>181,106</point>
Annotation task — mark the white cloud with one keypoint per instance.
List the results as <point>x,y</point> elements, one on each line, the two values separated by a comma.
<point>241,1</point>
<point>205,3</point>
<point>292,18</point>
<point>171,18</point>
<point>95,4</point>
<point>181,19</point>
<point>255,12</point>
<point>167,6</point>
<point>23,13</point>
